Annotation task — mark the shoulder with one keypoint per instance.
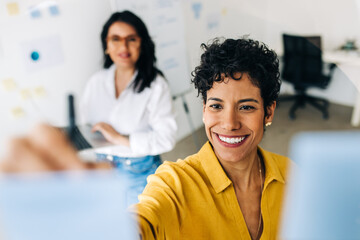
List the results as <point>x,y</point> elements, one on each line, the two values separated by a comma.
<point>159,84</point>
<point>158,91</point>
<point>99,76</point>
<point>181,172</point>
<point>280,159</point>
<point>187,166</point>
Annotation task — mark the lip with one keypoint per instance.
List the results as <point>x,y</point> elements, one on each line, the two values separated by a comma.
<point>124,55</point>
<point>228,144</point>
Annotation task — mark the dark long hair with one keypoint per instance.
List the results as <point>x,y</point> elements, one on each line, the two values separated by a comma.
<point>147,70</point>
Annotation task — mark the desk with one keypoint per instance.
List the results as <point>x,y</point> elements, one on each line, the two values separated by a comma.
<point>349,64</point>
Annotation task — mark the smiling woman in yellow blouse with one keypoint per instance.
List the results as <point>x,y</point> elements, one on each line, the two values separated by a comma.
<point>231,188</point>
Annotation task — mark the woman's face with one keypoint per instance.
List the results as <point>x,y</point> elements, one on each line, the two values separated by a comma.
<point>234,119</point>
<point>123,45</point>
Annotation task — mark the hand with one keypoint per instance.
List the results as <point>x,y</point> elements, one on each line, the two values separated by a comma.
<point>111,134</point>
<point>45,149</point>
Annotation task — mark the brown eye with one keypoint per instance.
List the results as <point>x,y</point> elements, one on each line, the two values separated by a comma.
<point>247,107</point>
<point>115,39</point>
<point>216,106</point>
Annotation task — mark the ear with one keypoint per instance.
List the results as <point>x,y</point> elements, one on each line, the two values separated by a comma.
<point>203,119</point>
<point>270,112</point>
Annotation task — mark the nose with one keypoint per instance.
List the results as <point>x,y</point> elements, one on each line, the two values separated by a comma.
<point>230,120</point>
<point>123,43</point>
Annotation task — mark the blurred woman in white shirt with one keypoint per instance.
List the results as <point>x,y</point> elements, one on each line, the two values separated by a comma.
<point>129,101</point>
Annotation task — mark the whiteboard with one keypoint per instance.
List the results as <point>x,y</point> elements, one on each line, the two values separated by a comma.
<point>164,20</point>
<point>66,38</point>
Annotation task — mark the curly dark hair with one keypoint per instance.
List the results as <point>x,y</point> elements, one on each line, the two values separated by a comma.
<point>147,70</point>
<point>226,58</point>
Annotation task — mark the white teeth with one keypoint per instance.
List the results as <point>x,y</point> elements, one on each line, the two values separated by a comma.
<point>231,140</point>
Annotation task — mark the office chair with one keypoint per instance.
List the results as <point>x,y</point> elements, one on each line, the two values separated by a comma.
<point>303,68</point>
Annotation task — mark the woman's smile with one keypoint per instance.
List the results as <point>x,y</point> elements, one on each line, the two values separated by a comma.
<point>230,141</point>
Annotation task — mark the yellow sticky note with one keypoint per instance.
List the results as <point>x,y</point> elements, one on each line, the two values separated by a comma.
<point>224,11</point>
<point>17,112</point>
<point>8,84</point>
<point>13,8</point>
<point>39,92</point>
<point>25,94</point>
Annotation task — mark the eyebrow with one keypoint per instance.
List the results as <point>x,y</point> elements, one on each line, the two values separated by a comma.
<point>240,101</point>
<point>130,35</point>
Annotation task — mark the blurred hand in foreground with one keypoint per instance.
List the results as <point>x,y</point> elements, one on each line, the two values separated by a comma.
<point>44,149</point>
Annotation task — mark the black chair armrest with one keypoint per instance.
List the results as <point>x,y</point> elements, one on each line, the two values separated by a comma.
<point>332,67</point>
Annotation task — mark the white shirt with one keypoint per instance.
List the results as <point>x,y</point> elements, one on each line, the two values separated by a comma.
<point>146,117</point>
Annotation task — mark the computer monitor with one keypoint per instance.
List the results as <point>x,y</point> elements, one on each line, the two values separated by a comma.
<point>322,200</point>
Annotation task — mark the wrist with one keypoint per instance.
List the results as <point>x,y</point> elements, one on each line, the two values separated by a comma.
<point>122,140</point>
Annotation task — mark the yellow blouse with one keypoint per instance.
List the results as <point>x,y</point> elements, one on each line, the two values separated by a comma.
<point>194,199</point>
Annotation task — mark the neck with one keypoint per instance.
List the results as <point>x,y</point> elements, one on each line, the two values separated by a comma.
<point>244,174</point>
<point>122,79</point>
<point>124,73</point>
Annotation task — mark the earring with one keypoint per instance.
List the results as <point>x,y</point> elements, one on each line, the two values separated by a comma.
<point>203,119</point>
<point>268,124</point>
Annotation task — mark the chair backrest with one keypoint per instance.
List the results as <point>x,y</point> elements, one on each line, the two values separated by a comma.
<point>302,60</point>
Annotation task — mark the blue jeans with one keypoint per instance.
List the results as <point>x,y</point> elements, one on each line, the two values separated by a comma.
<point>136,170</point>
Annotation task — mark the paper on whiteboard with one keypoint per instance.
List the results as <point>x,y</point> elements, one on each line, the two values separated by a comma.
<point>39,54</point>
<point>8,84</point>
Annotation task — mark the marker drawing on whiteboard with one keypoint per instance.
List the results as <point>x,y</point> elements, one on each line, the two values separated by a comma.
<point>213,21</point>
<point>170,63</point>
<point>196,7</point>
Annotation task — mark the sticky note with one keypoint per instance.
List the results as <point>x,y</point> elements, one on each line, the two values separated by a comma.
<point>25,94</point>
<point>18,112</point>
<point>13,8</point>
<point>35,13</point>
<point>8,84</point>
<point>54,10</point>
<point>224,11</point>
<point>39,92</point>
